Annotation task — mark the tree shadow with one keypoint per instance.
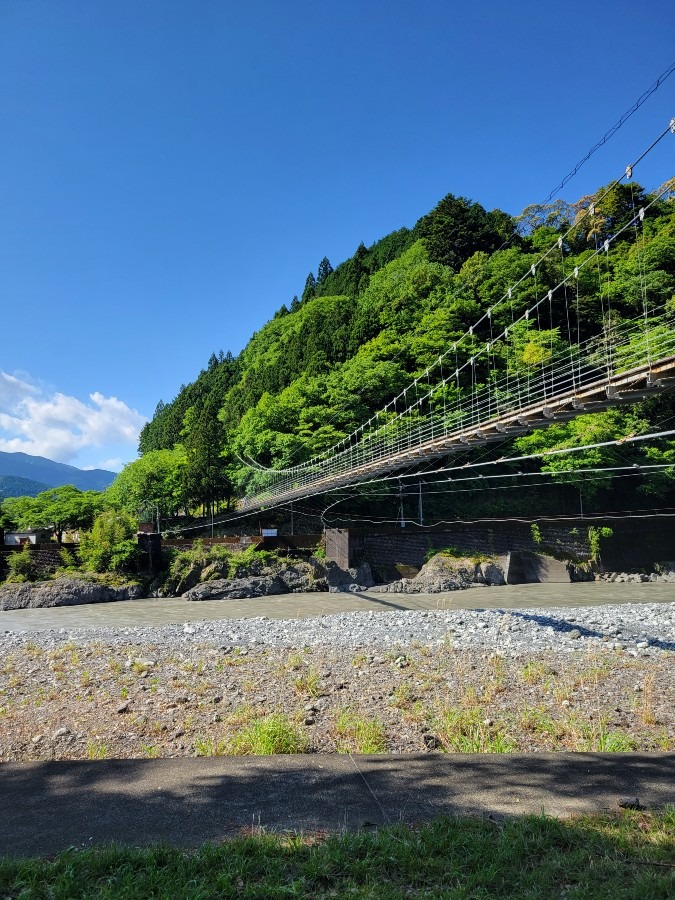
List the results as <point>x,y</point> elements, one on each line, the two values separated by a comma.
<point>50,806</point>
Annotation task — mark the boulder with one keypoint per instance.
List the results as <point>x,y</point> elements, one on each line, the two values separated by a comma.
<point>358,578</point>
<point>189,580</point>
<point>492,572</point>
<point>64,592</point>
<point>214,570</point>
<point>292,578</point>
<point>237,588</point>
<point>448,573</point>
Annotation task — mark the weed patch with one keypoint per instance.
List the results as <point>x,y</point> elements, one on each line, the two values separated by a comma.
<point>357,734</point>
<point>274,733</point>
<point>469,731</point>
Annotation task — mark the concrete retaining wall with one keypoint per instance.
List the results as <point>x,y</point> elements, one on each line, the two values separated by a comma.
<point>636,543</point>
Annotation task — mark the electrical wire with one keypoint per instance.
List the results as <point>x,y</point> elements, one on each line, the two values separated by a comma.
<point>613,130</point>
<point>514,459</point>
<point>505,243</point>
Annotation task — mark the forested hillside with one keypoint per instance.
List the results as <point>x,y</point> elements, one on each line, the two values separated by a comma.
<point>363,330</point>
<point>16,486</point>
<point>53,474</point>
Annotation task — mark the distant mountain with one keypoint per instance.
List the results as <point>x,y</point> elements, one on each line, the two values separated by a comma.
<point>15,486</point>
<point>53,474</point>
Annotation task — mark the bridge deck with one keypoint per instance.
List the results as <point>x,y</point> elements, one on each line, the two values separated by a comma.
<point>625,387</point>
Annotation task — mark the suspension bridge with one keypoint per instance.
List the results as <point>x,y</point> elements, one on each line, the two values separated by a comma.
<point>479,390</point>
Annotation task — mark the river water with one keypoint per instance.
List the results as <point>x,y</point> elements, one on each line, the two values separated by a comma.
<point>291,606</point>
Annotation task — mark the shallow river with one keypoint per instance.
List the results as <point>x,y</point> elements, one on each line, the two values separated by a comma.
<point>292,606</point>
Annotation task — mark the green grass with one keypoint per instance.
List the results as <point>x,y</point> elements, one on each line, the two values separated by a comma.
<point>264,736</point>
<point>534,672</point>
<point>456,553</point>
<point>598,738</point>
<point>468,731</point>
<point>630,855</point>
<point>97,750</point>
<point>537,721</point>
<point>308,682</point>
<point>274,733</point>
<point>357,734</point>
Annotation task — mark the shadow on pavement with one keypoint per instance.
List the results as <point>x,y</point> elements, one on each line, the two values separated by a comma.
<point>49,806</point>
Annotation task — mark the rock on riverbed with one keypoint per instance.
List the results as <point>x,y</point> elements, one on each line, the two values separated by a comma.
<point>63,592</point>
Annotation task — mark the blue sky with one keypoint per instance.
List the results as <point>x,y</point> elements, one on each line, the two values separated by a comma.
<point>171,170</point>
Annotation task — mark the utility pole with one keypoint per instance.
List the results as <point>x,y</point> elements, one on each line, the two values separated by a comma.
<point>291,517</point>
<point>420,504</point>
<point>400,496</point>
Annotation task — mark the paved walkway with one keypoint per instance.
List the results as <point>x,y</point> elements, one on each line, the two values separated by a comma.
<point>290,606</point>
<point>47,807</point>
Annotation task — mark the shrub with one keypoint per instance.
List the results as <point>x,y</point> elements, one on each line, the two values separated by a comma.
<point>199,556</point>
<point>111,545</point>
<point>250,562</point>
<point>21,566</point>
<point>594,537</point>
<point>456,553</point>
<point>68,560</point>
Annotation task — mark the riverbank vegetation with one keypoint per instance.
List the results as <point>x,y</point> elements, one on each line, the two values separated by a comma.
<point>624,854</point>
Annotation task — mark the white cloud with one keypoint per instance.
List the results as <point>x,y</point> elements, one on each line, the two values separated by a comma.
<point>114,464</point>
<point>59,426</point>
<point>13,389</point>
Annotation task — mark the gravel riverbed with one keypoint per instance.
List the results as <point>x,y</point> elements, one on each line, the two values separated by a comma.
<point>639,628</point>
<point>593,678</point>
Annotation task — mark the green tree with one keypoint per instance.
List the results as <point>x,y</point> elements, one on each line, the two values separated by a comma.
<point>310,288</point>
<point>60,508</point>
<point>153,482</point>
<point>323,271</point>
<point>205,477</point>
<point>456,228</point>
<point>112,544</point>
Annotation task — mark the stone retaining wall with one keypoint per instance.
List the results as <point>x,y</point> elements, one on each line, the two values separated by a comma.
<point>410,546</point>
<point>636,543</point>
<point>47,557</point>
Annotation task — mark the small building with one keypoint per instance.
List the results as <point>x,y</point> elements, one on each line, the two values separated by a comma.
<point>31,536</point>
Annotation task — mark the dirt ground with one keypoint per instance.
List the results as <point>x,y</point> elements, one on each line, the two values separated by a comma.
<point>95,701</point>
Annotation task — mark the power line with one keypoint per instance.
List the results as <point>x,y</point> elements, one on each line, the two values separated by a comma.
<point>606,137</point>
<point>613,130</point>
<point>443,469</point>
<point>336,459</point>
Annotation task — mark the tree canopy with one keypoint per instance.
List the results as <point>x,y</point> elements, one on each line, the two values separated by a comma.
<point>61,509</point>
<point>366,328</point>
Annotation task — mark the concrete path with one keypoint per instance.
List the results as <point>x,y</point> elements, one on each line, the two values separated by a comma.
<point>47,807</point>
<point>300,606</point>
